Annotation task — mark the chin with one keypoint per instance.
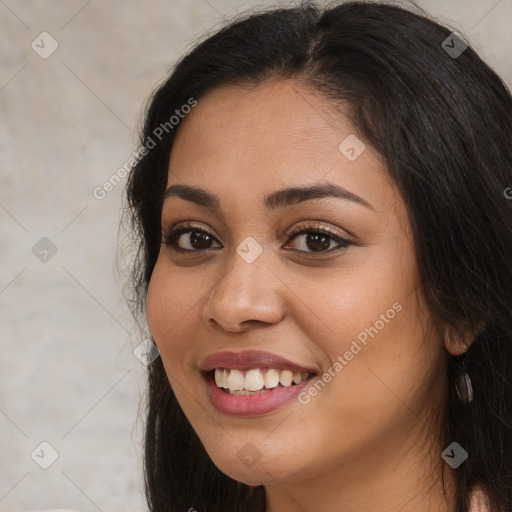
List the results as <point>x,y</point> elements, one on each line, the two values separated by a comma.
<point>245,465</point>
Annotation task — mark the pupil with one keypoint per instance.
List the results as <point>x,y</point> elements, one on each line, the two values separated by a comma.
<point>202,239</point>
<point>319,241</point>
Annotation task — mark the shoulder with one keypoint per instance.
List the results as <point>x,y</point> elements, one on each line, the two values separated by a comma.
<point>478,501</point>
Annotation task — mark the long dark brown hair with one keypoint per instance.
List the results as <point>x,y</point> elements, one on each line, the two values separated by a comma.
<point>443,125</point>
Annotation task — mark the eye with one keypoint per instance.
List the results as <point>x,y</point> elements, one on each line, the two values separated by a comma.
<point>318,238</point>
<point>194,239</point>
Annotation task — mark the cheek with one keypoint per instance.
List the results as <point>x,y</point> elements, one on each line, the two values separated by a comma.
<point>157,304</point>
<point>172,317</point>
<point>174,309</point>
<point>390,364</point>
<point>371,325</point>
<point>171,298</point>
<point>170,304</point>
<point>372,302</point>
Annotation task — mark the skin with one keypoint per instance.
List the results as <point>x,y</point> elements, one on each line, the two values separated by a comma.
<point>369,439</point>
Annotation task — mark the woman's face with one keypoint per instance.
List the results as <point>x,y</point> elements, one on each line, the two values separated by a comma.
<point>348,313</point>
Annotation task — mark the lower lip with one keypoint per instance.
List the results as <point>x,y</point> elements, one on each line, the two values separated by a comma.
<point>252,405</point>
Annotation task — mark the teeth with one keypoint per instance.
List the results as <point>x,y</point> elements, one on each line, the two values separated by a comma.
<point>286,378</point>
<point>253,380</point>
<point>256,380</point>
<point>221,378</point>
<point>244,392</point>
<point>271,379</point>
<point>236,380</point>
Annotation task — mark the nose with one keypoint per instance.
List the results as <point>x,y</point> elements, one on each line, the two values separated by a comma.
<point>247,295</point>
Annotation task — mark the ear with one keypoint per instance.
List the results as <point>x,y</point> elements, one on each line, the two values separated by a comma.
<point>457,339</point>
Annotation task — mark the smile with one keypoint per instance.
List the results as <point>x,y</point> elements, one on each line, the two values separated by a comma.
<point>262,380</point>
<point>252,382</point>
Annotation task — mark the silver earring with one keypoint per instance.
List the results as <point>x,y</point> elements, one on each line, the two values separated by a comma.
<point>464,388</point>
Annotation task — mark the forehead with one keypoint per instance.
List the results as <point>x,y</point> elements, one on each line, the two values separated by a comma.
<point>252,140</point>
<point>279,116</point>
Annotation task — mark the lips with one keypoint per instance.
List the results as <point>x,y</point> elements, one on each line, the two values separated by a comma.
<point>250,359</point>
<point>262,401</point>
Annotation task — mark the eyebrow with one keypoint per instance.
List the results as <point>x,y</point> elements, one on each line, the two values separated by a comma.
<point>278,199</point>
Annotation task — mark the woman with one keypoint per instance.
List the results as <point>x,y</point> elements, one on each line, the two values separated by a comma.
<point>324,240</point>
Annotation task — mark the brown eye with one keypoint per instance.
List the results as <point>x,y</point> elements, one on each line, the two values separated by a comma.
<point>314,239</point>
<point>189,239</point>
<point>318,241</point>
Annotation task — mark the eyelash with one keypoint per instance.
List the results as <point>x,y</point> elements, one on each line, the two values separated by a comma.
<point>301,229</point>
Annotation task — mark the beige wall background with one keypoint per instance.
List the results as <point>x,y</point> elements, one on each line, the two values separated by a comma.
<point>68,374</point>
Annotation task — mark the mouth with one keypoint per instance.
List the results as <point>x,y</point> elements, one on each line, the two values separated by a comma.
<point>255,381</point>
<point>252,382</point>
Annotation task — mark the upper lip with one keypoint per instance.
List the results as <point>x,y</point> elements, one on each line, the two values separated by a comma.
<point>250,359</point>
